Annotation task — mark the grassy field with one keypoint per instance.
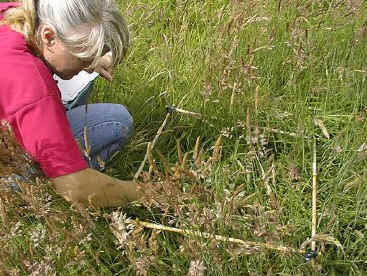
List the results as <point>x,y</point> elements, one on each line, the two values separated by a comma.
<point>268,78</point>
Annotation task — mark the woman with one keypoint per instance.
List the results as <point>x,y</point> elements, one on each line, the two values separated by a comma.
<point>40,38</point>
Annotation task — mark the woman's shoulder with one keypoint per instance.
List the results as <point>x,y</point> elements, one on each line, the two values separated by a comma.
<point>18,62</point>
<point>24,78</point>
<point>7,5</point>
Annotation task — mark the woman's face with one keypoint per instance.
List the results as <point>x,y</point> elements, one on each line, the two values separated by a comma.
<point>57,56</point>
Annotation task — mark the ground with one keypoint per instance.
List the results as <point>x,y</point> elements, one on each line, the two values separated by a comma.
<point>272,81</point>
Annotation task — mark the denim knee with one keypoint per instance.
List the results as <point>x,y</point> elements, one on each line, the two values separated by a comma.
<point>122,115</point>
<point>109,128</point>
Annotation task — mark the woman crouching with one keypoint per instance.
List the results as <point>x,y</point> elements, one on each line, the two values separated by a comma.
<point>40,38</point>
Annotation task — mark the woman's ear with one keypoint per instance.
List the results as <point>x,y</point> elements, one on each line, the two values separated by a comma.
<point>48,37</point>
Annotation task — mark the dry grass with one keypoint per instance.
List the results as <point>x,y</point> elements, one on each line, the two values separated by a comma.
<point>265,77</point>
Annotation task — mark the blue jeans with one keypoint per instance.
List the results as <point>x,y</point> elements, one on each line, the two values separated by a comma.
<point>109,127</point>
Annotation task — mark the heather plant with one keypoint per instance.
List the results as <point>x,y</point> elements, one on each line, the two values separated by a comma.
<point>256,89</point>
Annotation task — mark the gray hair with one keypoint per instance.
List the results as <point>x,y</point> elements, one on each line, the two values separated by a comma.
<point>88,28</point>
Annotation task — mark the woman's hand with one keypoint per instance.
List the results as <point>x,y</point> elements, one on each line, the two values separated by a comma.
<point>92,187</point>
<point>104,67</point>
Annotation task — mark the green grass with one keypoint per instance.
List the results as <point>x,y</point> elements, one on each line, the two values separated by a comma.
<point>197,54</point>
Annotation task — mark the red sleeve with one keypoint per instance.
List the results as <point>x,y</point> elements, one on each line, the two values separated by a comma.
<point>45,133</point>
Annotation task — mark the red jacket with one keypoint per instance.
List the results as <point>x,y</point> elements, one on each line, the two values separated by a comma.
<point>31,102</point>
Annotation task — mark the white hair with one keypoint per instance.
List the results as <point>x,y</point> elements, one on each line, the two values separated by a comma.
<point>88,28</point>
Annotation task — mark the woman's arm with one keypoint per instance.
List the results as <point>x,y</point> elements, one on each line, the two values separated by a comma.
<point>92,187</point>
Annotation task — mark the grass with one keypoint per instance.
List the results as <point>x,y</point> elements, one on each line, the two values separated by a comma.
<point>247,67</point>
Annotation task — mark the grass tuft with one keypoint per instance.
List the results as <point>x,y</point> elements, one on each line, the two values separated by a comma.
<point>266,78</point>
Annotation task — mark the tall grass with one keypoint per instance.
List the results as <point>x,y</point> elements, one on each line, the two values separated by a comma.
<point>260,73</point>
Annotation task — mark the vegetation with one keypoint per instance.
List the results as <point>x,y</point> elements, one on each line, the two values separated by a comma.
<point>265,78</point>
